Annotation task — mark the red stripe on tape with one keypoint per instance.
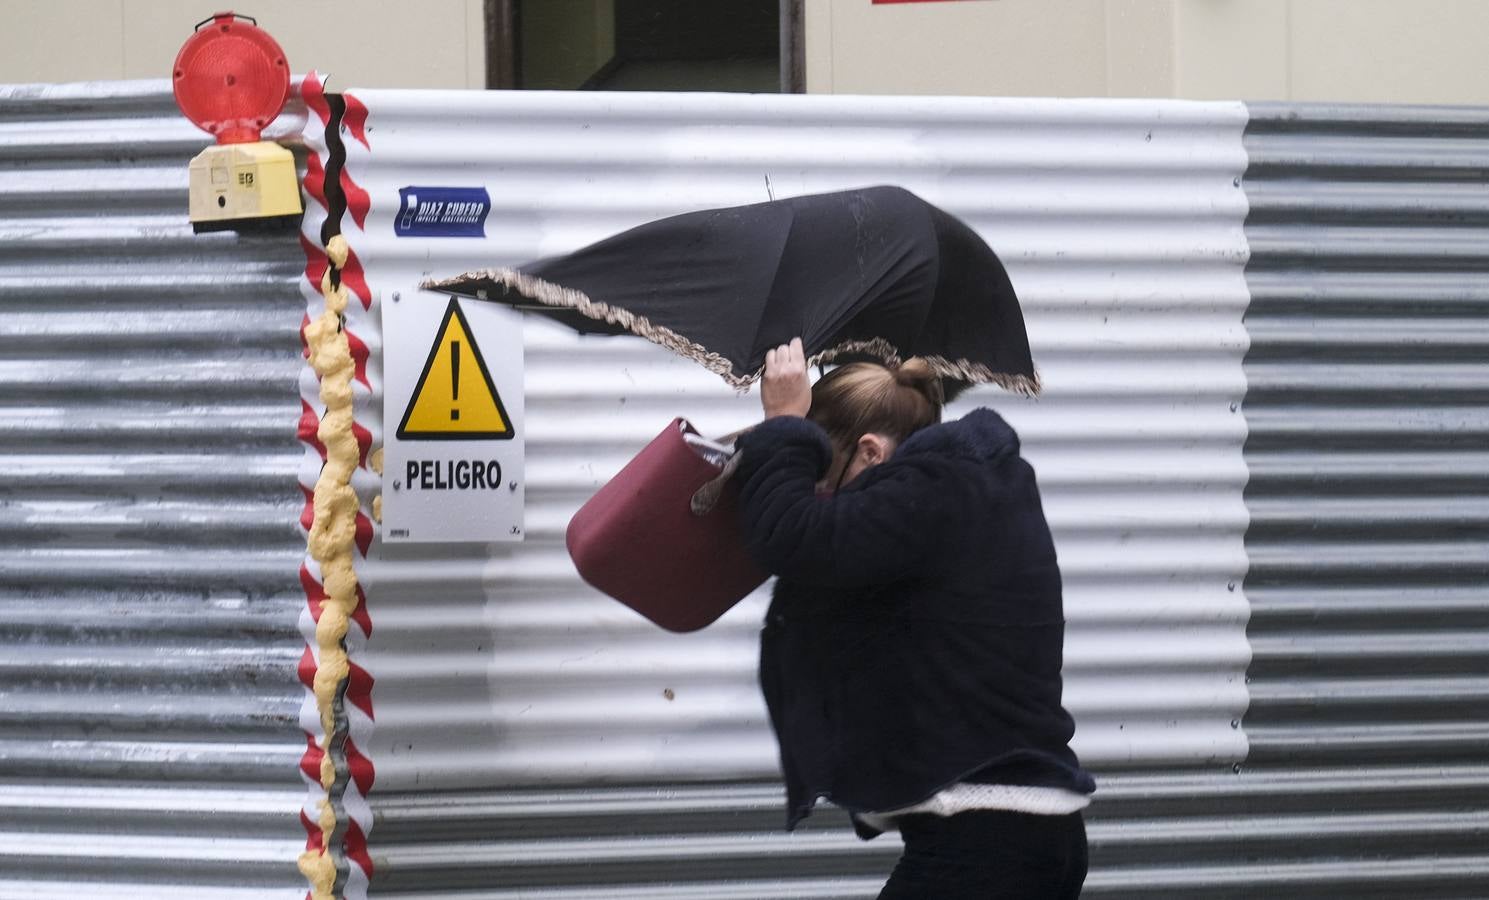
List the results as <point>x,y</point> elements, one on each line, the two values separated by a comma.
<point>315,595</point>
<point>309,429</point>
<point>364,445</point>
<point>359,688</point>
<point>315,179</point>
<point>358,201</point>
<point>361,613</point>
<point>306,669</point>
<point>359,365</point>
<point>360,767</point>
<point>315,263</point>
<point>314,840</point>
<point>355,119</point>
<point>353,277</point>
<point>355,843</point>
<point>363,534</point>
<point>310,763</point>
<point>307,515</point>
<point>313,90</point>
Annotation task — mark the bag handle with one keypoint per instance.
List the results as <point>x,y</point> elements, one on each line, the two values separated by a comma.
<point>707,496</point>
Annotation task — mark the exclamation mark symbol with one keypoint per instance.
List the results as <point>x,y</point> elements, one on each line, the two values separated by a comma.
<point>454,379</point>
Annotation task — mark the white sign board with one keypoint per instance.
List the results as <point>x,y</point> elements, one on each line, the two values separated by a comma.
<point>453,419</point>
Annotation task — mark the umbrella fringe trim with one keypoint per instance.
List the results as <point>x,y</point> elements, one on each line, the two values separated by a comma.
<point>960,369</point>
<point>550,294</point>
<point>977,373</point>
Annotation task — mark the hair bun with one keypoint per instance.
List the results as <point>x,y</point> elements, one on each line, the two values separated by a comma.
<point>915,373</point>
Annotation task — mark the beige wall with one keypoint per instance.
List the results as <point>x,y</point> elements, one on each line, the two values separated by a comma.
<point>1017,47</point>
<point>367,43</point>
<point>1395,51</point>
<point>1388,51</point>
<point>1399,51</point>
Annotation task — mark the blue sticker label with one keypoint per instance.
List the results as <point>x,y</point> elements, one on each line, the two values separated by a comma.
<point>442,212</point>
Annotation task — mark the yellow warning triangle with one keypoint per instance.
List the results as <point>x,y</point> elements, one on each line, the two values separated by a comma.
<point>455,399</point>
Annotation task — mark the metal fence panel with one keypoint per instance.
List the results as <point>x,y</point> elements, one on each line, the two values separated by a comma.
<point>1369,422</point>
<point>147,541</point>
<point>497,669</point>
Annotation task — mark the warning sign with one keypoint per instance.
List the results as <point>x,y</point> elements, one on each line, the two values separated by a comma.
<point>455,398</point>
<point>453,467</point>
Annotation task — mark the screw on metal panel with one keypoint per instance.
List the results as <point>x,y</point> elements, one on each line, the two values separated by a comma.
<point>1236,182</point>
<point>1234,407</point>
<point>397,296</point>
<point>1235,723</point>
<point>1236,768</point>
<point>1231,587</point>
<point>512,485</point>
<point>516,530</point>
<point>669,693</point>
<point>397,485</point>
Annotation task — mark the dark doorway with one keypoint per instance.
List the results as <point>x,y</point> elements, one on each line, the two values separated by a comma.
<point>645,45</point>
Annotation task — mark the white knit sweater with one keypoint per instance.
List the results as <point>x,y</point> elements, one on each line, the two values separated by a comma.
<point>963,797</point>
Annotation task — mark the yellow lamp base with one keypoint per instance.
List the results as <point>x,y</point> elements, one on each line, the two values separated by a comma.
<point>234,186</point>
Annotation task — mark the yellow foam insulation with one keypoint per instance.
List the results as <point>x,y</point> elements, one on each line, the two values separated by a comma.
<point>332,541</point>
<point>377,502</point>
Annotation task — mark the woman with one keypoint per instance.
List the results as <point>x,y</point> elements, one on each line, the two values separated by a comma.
<point>911,655</point>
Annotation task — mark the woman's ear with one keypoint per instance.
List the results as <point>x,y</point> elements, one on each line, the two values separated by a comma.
<point>874,449</point>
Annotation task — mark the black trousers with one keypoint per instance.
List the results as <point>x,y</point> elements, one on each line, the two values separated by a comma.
<point>989,855</point>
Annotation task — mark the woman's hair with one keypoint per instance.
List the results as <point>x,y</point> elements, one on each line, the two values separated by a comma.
<point>868,398</point>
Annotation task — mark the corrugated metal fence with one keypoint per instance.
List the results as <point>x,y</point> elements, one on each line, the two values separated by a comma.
<point>148,548</point>
<point>496,668</point>
<point>1368,408</point>
<point>525,741</point>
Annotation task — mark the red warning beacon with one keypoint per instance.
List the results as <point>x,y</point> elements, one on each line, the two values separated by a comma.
<point>231,79</point>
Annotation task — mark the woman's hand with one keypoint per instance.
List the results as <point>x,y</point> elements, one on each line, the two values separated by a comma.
<point>785,390</point>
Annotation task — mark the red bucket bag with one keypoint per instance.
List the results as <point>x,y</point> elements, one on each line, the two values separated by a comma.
<point>663,535</point>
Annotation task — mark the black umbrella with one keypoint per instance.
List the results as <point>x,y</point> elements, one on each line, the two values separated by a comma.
<point>871,273</point>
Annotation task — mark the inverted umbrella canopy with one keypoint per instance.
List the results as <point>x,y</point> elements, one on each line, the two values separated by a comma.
<point>873,273</point>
